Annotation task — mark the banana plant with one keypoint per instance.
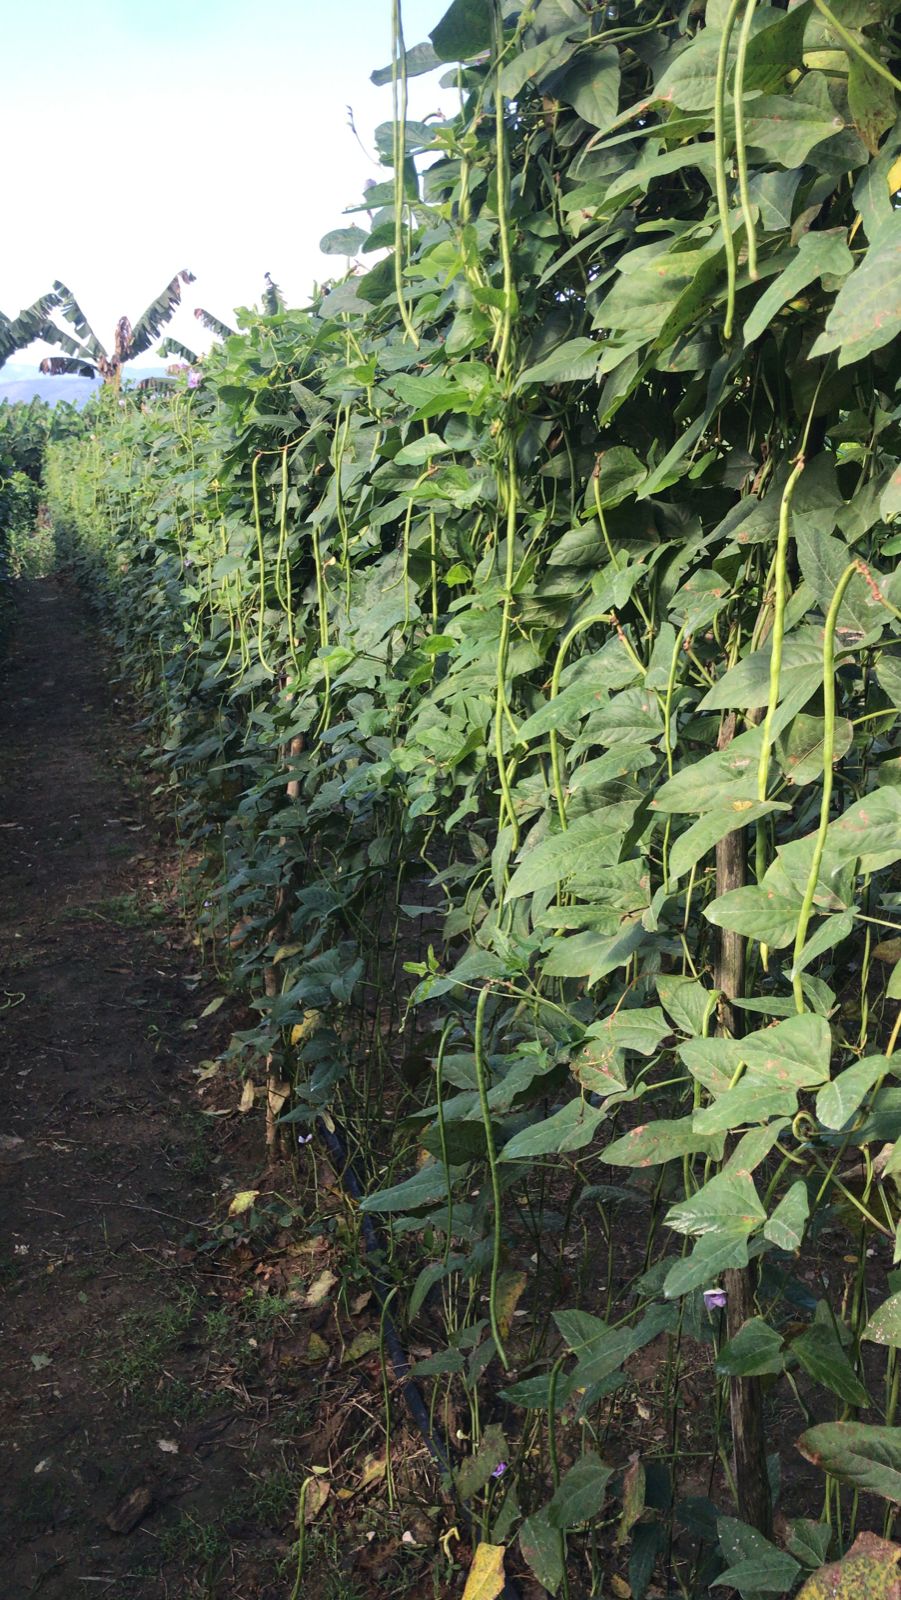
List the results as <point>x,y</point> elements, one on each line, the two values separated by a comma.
<point>84,354</point>
<point>17,332</point>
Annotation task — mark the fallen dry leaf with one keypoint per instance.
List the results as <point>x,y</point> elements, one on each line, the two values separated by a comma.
<point>319,1289</point>
<point>317,1492</point>
<point>486,1575</point>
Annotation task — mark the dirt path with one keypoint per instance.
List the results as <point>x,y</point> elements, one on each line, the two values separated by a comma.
<point>123,1370</point>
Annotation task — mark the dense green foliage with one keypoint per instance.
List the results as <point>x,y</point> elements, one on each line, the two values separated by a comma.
<point>539,559</point>
<point>24,432</point>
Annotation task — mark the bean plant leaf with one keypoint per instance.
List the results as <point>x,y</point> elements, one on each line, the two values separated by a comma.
<point>581,1493</point>
<point>884,1325</point>
<point>755,1350</point>
<point>867,311</point>
<point>867,1455</point>
<point>869,1571</point>
<point>485,1579</point>
<point>541,1548</point>
<point>823,1358</point>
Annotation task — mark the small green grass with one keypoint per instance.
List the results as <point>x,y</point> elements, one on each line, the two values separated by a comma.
<point>145,1340</point>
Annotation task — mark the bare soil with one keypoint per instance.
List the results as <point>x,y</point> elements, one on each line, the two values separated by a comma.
<point>146,1451</point>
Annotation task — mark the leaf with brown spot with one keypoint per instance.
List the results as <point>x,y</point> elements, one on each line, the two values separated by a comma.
<point>868,1572</point>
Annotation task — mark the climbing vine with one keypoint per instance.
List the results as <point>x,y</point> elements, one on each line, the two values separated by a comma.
<point>519,626</point>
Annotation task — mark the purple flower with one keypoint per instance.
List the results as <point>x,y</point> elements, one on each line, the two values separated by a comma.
<point>195,379</point>
<point>499,1470</point>
<point>304,1138</point>
<point>714,1299</point>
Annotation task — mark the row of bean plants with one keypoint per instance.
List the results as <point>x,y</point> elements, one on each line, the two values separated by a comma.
<point>24,431</point>
<point>517,626</point>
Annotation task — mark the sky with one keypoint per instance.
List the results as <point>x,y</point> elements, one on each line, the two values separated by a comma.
<point>144,136</point>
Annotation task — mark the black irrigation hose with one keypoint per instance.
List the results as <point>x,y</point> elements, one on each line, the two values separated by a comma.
<point>337,1149</point>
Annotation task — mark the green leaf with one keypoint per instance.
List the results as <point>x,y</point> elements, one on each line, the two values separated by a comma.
<point>832,931</point>
<point>775,49</point>
<point>723,818</point>
<point>785,129</point>
<point>580,1494</point>
<point>570,1128</point>
<point>755,1350</point>
<point>869,831</point>
<point>796,1051</point>
<point>464,30</point>
<point>838,1101</point>
<point>867,309</point>
<point>619,474</point>
<point>884,1326</point>
<point>809,1542</point>
<point>774,1572</point>
<point>729,1199</point>
<point>817,254</point>
<point>562,855</point>
<point>600,1350</point>
<point>475,1470</point>
<point>871,102</point>
<point>593,955</point>
<point>752,1100</point>
<point>785,1226</point>
<point>656,1142</point>
<point>758,913</point>
<point>867,1455</point>
<point>574,361</point>
<point>747,684</point>
<point>418,59</point>
<point>801,747</point>
<point>823,560</point>
<point>535,63</point>
<point>713,1254</point>
<point>427,1186</point>
<point>343,241</point>
<point>754,1565</point>
<point>689,1004</point>
<point>541,1548</point>
<point>591,86</point>
<point>713,777</point>
<point>690,80</point>
<point>820,1353</point>
<point>639,1028</point>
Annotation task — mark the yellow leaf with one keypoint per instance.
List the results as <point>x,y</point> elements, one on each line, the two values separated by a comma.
<point>247,1094</point>
<point>317,1350</point>
<point>620,1587</point>
<point>303,1030</point>
<point>894,176</point>
<point>888,950</point>
<point>486,1575</point>
<point>319,1288</point>
<point>362,1345</point>
<point>278,1094</point>
<point>242,1202</point>
<point>317,1492</point>
<point>509,1291</point>
<point>284,951</point>
<point>373,1472</point>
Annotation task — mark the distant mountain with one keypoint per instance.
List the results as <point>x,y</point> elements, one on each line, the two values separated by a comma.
<point>24,383</point>
<point>40,387</point>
